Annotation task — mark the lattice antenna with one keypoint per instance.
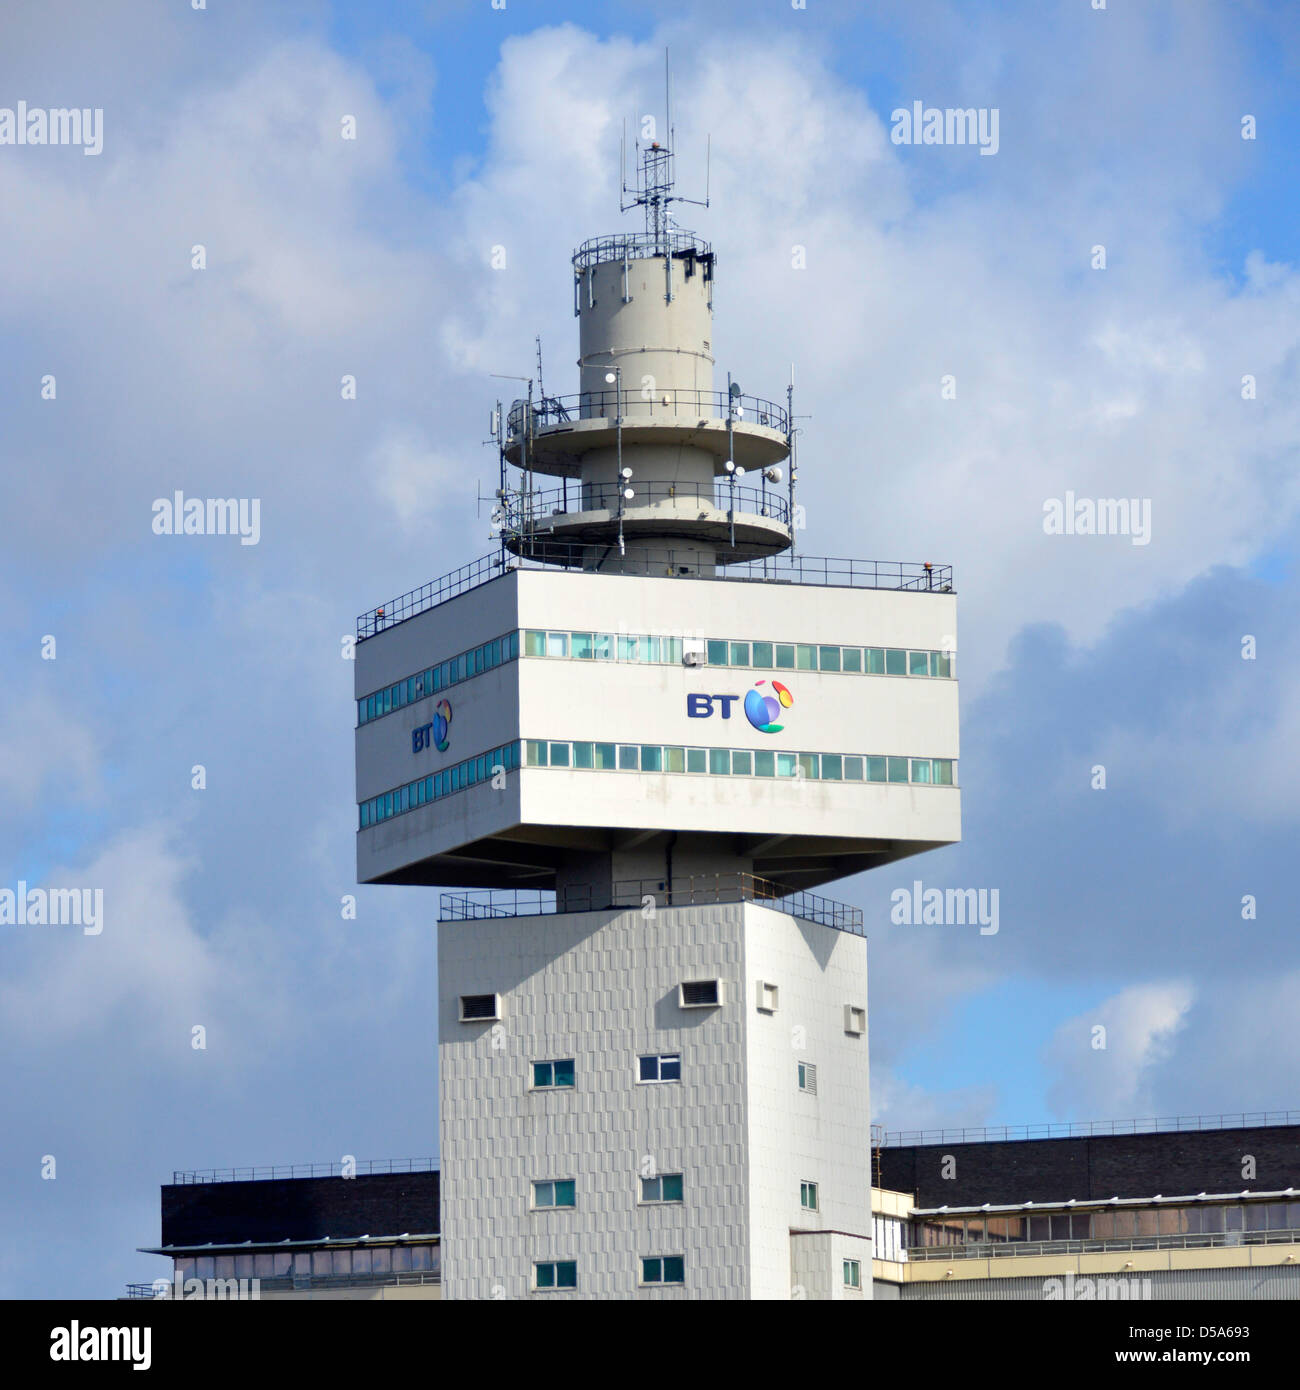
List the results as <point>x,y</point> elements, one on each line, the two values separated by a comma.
<point>656,176</point>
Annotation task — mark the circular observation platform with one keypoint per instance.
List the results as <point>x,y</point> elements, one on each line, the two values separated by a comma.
<point>559,431</point>
<point>560,526</point>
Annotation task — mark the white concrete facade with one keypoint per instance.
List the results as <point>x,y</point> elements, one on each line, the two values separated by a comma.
<point>625,702</point>
<point>601,988</point>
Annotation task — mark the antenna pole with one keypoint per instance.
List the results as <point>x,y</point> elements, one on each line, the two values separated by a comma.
<point>789,439</point>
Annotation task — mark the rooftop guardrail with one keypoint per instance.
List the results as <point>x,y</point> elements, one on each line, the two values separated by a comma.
<point>990,1250</point>
<point>635,246</point>
<point>634,407</point>
<point>294,1282</point>
<point>902,575</point>
<point>686,891</point>
<point>364,1168</point>
<point>1089,1129</point>
<point>525,510</point>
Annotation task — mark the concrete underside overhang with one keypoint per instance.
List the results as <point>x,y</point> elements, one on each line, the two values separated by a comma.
<point>532,856</point>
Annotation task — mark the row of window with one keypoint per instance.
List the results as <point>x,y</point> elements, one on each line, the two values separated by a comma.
<point>658,651</point>
<point>739,762</point>
<point>562,1193</point>
<point>662,1066</point>
<point>281,1264</point>
<point>435,678</point>
<point>1120,1224</point>
<point>439,784</point>
<point>653,757</point>
<point>764,656</point>
<point>655,1269</point>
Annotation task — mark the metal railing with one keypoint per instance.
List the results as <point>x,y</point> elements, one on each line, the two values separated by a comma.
<point>634,406</point>
<point>988,1250</point>
<point>306,1282</point>
<point>903,575</point>
<point>689,890</point>
<point>1089,1129</point>
<point>479,903</point>
<point>365,1168</point>
<point>525,510</point>
<point>635,246</point>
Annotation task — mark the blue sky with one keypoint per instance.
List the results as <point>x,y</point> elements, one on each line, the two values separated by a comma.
<point>479,127</point>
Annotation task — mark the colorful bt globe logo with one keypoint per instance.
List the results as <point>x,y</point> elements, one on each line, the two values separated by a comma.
<point>763,711</point>
<point>441,723</point>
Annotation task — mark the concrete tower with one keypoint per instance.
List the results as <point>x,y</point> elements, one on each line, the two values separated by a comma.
<point>648,731</point>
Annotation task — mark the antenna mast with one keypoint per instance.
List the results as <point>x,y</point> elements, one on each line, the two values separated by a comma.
<point>655,179</point>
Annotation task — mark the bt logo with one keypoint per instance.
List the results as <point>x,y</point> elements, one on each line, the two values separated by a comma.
<point>434,734</point>
<point>761,710</point>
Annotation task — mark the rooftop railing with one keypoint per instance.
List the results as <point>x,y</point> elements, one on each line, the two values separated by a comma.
<point>778,569</point>
<point>689,890</point>
<point>365,1168</point>
<point>988,1250</point>
<point>1088,1129</point>
<point>634,407</point>
<point>293,1282</point>
<point>635,246</point>
<point>526,510</point>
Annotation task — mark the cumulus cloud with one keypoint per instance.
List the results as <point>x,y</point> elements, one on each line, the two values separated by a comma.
<point>1103,1061</point>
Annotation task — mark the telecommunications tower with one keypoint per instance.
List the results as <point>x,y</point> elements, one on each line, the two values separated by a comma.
<point>635,737</point>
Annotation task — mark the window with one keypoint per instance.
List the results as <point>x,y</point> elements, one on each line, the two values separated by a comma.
<point>918,663</point>
<point>740,654</point>
<point>665,1188</point>
<point>808,1196</point>
<point>784,656</point>
<point>855,1020</point>
<point>768,996</point>
<point>852,1274</point>
<point>700,994</point>
<point>604,756</point>
<point>828,658</point>
<point>552,1075</point>
<point>898,769</point>
<point>661,1067</point>
<point>718,653</point>
<point>762,654</point>
<point>895,662</point>
<point>559,1193</point>
<point>556,1274</point>
<point>475,1008</point>
<point>557,644</point>
<point>695,760</point>
<point>664,1269</point>
<point>807,1078</point>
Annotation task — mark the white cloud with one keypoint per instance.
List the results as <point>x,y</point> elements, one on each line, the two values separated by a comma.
<point>1115,1079</point>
